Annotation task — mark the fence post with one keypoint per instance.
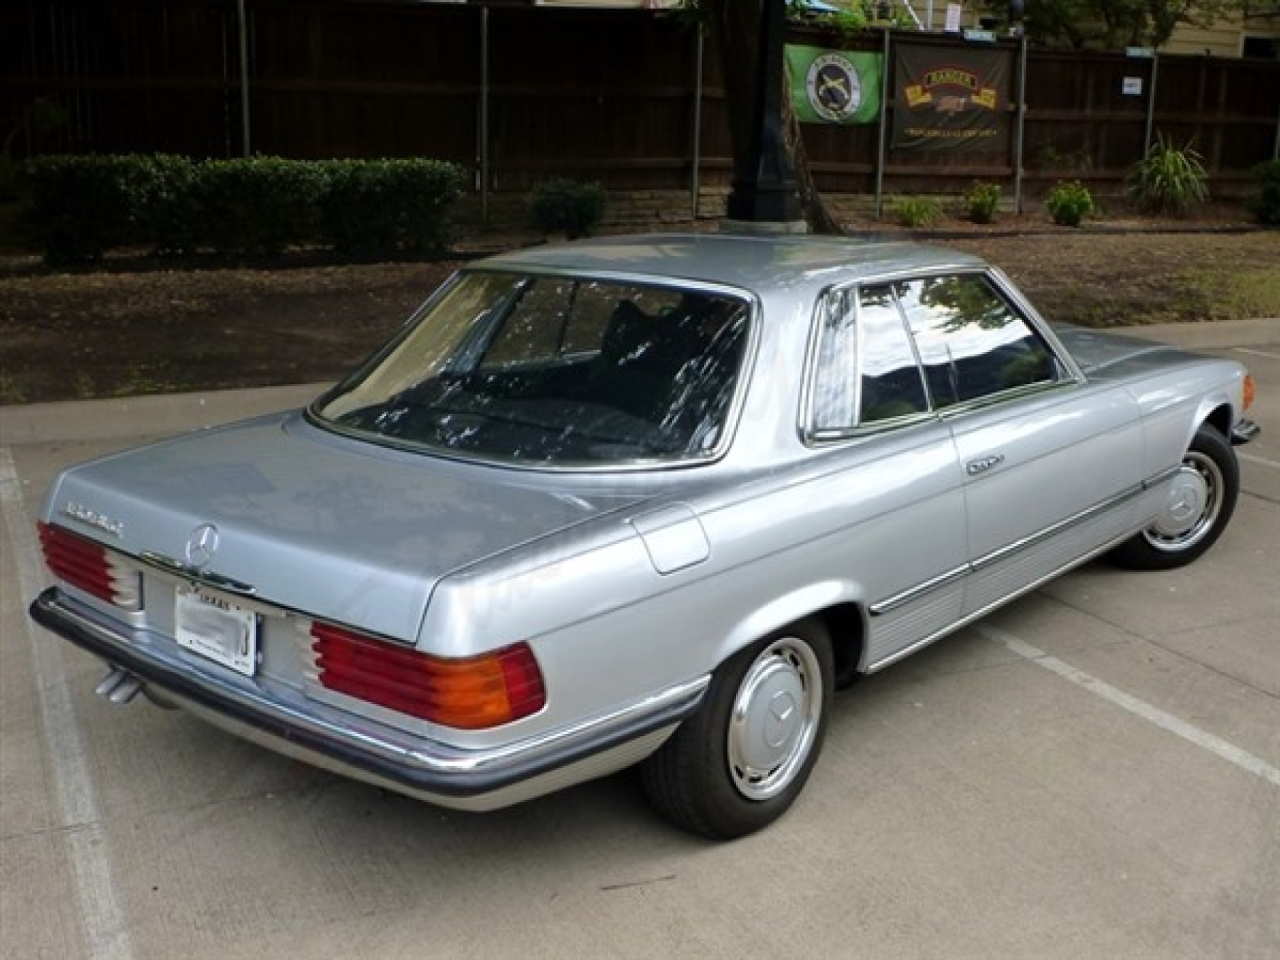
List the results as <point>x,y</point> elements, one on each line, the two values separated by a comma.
<point>1275,147</point>
<point>884,119</point>
<point>243,30</point>
<point>695,135</point>
<point>482,134</point>
<point>1151,104</point>
<point>1020,136</point>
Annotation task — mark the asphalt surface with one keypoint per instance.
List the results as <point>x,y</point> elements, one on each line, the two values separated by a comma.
<point>1093,771</point>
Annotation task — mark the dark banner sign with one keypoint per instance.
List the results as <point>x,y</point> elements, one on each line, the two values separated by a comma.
<point>951,99</point>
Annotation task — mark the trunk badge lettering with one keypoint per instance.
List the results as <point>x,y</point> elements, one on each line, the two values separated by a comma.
<point>79,511</point>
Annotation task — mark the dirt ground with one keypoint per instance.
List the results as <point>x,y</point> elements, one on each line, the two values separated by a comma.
<point>140,326</point>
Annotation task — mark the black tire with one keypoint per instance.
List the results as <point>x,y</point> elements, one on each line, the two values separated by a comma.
<point>737,764</point>
<point>1201,499</point>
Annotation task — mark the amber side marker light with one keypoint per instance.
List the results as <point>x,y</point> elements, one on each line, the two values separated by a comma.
<point>469,693</point>
<point>1249,390</point>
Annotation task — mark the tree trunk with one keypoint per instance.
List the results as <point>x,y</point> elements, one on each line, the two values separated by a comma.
<point>734,30</point>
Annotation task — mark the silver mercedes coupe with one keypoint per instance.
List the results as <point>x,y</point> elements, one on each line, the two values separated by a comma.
<point>642,500</point>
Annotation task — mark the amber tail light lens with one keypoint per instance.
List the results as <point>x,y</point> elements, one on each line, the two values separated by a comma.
<point>469,693</point>
<point>90,567</point>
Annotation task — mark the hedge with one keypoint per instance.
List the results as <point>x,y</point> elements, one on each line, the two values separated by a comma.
<point>78,207</point>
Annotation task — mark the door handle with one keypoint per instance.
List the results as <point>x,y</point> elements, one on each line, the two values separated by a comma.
<point>983,464</point>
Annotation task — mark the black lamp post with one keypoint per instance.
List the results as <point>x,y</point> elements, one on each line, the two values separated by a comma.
<point>764,182</point>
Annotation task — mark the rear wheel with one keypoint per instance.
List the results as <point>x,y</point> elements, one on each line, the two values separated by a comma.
<point>740,762</point>
<point>1201,499</point>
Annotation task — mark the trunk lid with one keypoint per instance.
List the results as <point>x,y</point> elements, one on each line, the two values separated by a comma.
<point>332,527</point>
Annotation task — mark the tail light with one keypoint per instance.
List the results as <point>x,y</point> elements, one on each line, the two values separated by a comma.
<point>469,693</point>
<point>91,567</point>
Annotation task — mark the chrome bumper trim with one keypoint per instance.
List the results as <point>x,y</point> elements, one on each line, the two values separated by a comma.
<point>1244,431</point>
<point>419,766</point>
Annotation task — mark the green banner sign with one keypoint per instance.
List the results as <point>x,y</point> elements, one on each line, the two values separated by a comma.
<point>834,86</point>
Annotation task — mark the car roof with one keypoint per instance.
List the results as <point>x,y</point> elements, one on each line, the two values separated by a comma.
<point>756,263</point>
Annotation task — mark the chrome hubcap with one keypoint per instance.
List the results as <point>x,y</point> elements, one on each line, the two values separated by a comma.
<point>775,719</point>
<point>1191,508</point>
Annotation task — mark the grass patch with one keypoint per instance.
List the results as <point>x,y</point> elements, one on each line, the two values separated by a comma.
<point>1227,294</point>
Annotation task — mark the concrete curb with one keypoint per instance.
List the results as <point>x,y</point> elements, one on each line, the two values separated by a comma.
<point>1211,336</point>
<point>167,414</point>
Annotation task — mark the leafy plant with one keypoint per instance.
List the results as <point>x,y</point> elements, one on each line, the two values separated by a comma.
<point>571,207</point>
<point>389,206</point>
<point>981,201</point>
<point>1266,206</point>
<point>260,205</point>
<point>918,212</point>
<point>1069,203</point>
<point>80,206</point>
<point>1169,179</point>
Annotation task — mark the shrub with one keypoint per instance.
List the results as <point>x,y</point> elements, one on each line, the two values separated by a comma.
<point>388,206</point>
<point>1069,203</point>
<point>169,217</point>
<point>561,205</point>
<point>1266,206</point>
<point>259,205</point>
<point>77,207</point>
<point>917,212</point>
<point>80,206</point>
<point>981,201</point>
<point>1169,179</point>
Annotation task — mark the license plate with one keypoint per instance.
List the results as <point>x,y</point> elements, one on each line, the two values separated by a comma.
<point>217,629</point>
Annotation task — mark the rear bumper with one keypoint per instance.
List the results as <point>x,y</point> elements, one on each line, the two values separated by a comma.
<point>289,723</point>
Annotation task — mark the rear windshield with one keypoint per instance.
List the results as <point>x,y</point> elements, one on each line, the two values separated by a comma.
<point>555,371</point>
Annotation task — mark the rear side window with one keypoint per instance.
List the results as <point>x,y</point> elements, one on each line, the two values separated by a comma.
<point>890,351</point>
<point>971,342</point>
<point>866,371</point>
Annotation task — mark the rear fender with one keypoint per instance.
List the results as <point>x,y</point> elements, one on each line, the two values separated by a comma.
<point>812,599</point>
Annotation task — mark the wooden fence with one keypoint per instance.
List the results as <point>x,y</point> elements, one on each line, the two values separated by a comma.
<point>630,98</point>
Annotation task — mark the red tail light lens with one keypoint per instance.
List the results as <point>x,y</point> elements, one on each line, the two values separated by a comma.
<point>470,693</point>
<point>90,567</point>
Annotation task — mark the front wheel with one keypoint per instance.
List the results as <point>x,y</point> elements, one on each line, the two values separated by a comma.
<point>739,763</point>
<point>1200,501</point>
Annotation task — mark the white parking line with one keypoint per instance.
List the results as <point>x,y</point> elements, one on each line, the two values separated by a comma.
<point>1165,721</point>
<point>1261,461</point>
<point>1257,353</point>
<point>105,934</point>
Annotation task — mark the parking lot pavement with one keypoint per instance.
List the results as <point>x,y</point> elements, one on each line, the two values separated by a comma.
<point>1093,771</point>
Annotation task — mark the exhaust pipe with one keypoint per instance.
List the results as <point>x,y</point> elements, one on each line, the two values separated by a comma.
<point>119,686</point>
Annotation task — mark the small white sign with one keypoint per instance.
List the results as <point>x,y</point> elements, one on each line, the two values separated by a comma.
<point>953,17</point>
<point>1133,86</point>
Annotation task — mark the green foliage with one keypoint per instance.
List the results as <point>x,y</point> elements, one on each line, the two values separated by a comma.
<point>1266,206</point>
<point>389,206</point>
<point>1069,203</point>
<point>571,207</point>
<point>168,215</point>
<point>1169,179</point>
<point>981,201</point>
<point>1114,24</point>
<point>918,212</point>
<point>78,207</point>
<point>259,205</point>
